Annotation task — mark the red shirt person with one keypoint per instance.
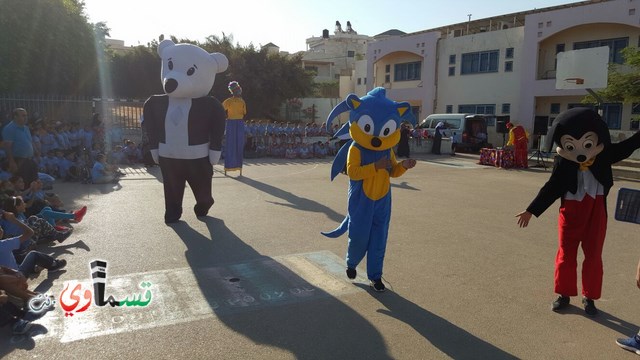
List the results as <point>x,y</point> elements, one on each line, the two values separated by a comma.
<point>519,139</point>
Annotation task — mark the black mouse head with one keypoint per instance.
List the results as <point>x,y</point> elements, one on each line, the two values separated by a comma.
<point>580,133</point>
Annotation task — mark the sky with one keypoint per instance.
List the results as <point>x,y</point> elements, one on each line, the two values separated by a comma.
<point>287,23</point>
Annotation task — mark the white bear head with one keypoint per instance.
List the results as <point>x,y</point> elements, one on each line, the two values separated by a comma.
<point>189,71</point>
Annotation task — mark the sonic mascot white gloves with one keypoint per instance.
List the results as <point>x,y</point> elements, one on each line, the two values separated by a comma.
<point>374,127</point>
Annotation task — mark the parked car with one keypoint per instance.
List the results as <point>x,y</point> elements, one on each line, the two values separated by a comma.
<point>468,131</point>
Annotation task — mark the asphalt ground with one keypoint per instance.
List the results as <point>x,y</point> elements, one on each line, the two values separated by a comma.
<point>256,280</point>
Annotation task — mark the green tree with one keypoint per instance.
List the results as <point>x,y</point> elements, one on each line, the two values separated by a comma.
<point>624,81</point>
<point>136,73</point>
<point>267,80</point>
<point>329,89</point>
<point>46,47</point>
<point>53,49</point>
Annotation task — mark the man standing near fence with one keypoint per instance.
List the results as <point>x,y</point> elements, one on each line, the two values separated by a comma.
<point>20,147</point>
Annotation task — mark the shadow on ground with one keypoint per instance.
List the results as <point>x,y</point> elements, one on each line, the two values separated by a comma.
<point>452,340</point>
<point>315,327</point>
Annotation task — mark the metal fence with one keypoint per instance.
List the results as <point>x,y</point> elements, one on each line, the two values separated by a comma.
<point>123,113</point>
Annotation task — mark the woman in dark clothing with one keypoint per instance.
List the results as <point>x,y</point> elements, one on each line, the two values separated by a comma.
<point>403,144</point>
<point>437,138</point>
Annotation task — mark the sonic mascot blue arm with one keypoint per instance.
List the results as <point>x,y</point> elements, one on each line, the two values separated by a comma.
<point>374,127</point>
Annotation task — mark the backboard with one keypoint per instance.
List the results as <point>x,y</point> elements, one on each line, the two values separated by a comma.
<point>583,69</point>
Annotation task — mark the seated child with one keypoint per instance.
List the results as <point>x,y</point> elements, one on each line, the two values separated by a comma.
<point>27,266</point>
<point>304,151</point>
<point>290,152</point>
<point>102,173</point>
<point>10,314</point>
<point>132,153</point>
<point>37,199</point>
<point>319,150</point>
<point>42,229</point>
<point>69,168</point>
<point>117,156</point>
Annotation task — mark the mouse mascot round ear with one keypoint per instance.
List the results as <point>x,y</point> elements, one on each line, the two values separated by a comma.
<point>576,122</point>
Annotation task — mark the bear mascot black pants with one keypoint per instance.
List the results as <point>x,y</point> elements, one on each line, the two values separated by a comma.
<point>175,173</point>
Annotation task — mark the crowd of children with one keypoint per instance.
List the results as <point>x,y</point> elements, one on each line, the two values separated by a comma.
<point>31,217</point>
<point>287,140</point>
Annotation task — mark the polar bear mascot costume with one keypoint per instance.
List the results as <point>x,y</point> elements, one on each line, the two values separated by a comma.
<point>185,126</point>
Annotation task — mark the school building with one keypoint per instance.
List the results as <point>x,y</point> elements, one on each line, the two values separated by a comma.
<point>503,65</point>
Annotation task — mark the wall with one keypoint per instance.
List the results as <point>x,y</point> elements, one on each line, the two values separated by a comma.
<point>542,30</point>
<point>397,49</point>
<point>495,88</point>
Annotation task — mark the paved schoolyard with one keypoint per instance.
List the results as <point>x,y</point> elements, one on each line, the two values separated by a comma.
<point>256,279</point>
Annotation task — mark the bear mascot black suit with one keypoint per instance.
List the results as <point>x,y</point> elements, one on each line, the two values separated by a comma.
<point>185,126</point>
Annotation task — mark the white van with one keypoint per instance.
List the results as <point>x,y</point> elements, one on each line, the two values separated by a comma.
<point>468,131</point>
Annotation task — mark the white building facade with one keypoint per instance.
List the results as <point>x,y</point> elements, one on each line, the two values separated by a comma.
<point>503,66</point>
<point>332,56</point>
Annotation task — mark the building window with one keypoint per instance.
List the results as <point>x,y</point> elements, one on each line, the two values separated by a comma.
<point>508,66</point>
<point>611,113</point>
<point>313,69</point>
<point>452,59</point>
<point>635,108</point>
<point>351,53</point>
<point>480,62</point>
<point>407,71</point>
<point>359,81</point>
<point>365,81</point>
<point>508,54</point>
<point>615,47</point>
<point>449,109</point>
<point>506,108</point>
<point>559,49</point>
<point>387,78</point>
<point>452,70</point>
<point>477,109</point>
<point>387,68</point>
<point>554,108</point>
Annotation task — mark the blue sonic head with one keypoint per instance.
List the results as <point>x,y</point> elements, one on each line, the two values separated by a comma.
<point>374,120</point>
<point>374,123</point>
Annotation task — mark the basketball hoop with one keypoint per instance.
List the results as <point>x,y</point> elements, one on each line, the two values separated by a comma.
<point>577,81</point>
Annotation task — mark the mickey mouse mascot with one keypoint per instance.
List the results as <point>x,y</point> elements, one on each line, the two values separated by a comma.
<point>581,178</point>
<point>185,127</point>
